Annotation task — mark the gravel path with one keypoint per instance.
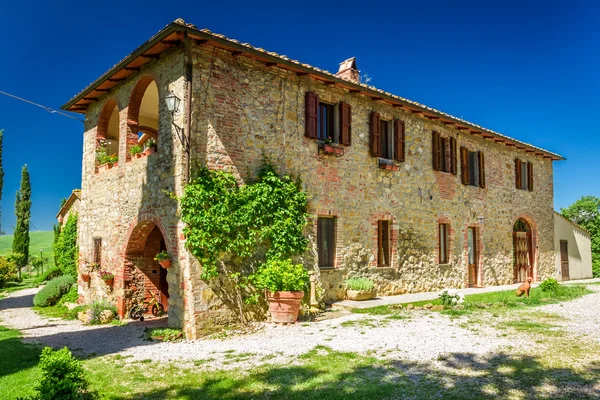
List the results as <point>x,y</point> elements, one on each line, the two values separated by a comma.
<point>423,336</point>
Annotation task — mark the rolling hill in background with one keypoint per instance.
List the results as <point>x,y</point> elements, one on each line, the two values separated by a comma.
<point>38,240</point>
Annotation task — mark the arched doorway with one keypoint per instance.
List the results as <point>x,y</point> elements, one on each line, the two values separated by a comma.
<point>522,250</point>
<point>144,277</point>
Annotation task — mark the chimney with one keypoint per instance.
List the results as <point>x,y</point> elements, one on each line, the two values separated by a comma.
<point>348,70</point>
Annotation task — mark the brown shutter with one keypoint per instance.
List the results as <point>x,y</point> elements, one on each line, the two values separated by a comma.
<point>481,170</point>
<point>530,176</point>
<point>399,141</point>
<point>464,165</point>
<point>312,120</point>
<point>375,142</point>
<point>518,173</point>
<point>345,124</point>
<point>453,168</point>
<point>437,151</point>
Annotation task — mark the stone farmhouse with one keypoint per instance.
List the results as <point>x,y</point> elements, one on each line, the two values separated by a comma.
<point>399,192</point>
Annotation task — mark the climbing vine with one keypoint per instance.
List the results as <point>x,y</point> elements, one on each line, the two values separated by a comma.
<point>261,219</point>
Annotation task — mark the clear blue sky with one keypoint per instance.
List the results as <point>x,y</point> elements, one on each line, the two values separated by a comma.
<point>528,69</point>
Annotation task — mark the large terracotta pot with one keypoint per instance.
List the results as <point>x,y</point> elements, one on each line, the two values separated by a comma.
<point>284,306</point>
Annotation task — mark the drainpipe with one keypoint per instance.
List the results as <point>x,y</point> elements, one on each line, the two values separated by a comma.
<point>188,112</point>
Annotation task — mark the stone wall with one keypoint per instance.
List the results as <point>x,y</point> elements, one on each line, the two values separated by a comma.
<point>245,112</point>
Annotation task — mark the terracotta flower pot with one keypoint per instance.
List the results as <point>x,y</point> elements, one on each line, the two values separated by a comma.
<point>150,150</point>
<point>166,264</point>
<point>85,277</point>
<point>109,282</point>
<point>284,306</point>
<point>329,149</point>
<point>139,155</point>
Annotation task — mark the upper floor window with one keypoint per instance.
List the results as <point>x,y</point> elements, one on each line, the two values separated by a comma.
<point>97,251</point>
<point>472,167</point>
<point>387,138</point>
<point>328,122</point>
<point>326,241</point>
<point>383,243</point>
<point>524,175</point>
<point>443,153</point>
<point>107,134</point>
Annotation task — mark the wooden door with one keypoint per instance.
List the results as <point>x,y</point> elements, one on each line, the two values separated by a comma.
<point>473,256</point>
<point>163,285</point>
<point>564,259</point>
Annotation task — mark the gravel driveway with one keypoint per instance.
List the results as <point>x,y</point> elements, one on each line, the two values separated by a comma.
<point>423,336</point>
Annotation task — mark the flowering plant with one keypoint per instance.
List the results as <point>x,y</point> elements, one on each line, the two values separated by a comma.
<point>107,276</point>
<point>450,297</point>
<point>150,144</point>
<point>162,256</point>
<point>328,140</point>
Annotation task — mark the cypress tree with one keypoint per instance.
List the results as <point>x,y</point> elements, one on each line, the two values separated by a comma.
<point>20,246</point>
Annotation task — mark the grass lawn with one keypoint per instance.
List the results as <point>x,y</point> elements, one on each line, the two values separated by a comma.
<point>503,299</point>
<point>26,284</point>
<point>18,371</point>
<point>39,240</point>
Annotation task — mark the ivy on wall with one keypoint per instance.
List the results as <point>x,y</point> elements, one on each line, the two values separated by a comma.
<point>223,220</point>
<point>66,250</point>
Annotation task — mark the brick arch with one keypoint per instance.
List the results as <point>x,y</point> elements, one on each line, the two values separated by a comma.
<point>138,232</point>
<point>104,119</point>
<point>534,248</point>
<point>133,109</point>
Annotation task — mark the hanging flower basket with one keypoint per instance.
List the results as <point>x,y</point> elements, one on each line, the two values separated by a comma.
<point>164,259</point>
<point>166,264</point>
<point>85,277</point>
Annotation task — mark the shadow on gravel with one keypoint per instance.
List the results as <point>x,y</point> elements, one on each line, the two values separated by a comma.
<point>24,301</point>
<point>345,375</point>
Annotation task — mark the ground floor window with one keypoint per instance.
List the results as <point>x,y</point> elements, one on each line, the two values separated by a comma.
<point>443,245</point>
<point>97,255</point>
<point>383,243</point>
<point>326,241</point>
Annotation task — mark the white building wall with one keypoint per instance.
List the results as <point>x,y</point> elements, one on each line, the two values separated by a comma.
<point>579,247</point>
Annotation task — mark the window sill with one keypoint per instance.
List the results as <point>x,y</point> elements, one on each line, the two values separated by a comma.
<point>330,149</point>
<point>387,164</point>
<point>330,269</point>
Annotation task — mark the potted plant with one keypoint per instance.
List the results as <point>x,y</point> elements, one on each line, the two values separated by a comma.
<point>105,160</point>
<point>284,283</point>
<point>107,277</point>
<point>328,147</point>
<point>85,270</point>
<point>360,289</point>
<point>136,151</point>
<point>163,259</point>
<point>150,146</point>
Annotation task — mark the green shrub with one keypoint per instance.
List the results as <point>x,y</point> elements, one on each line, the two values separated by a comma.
<point>96,308</point>
<point>7,271</point>
<point>549,285</point>
<point>63,376</point>
<point>49,275</point>
<point>70,297</point>
<point>53,291</point>
<point>281,276</point>
<point>364,284</point>
<point>168,334</point>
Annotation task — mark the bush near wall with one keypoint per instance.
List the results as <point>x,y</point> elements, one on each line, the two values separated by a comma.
<point>7,271</point>
<point>53,291</point>
<point>66,250</point>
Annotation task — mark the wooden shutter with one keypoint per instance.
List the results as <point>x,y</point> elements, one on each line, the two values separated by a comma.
<point>481,170</point>
<point>530,177</point>
<point>464,165</point>
<point>399,141</point>
<point>518,173</point>
<point>312,119</point>
<point>375,140</point>
<point>437,151</point>
<point>453,168</point>
<point>345,124</point>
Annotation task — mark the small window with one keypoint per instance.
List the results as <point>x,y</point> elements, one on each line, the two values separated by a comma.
<point>325,122</point>
<point>444,251</point>
<point>444,153</point>
<point>524,175</point>
<point>326,242</point>
<point>383,244</point>
<point>97,255</point>
<point>444,160</point>
<point>473,168</point>
<point>385,140</point>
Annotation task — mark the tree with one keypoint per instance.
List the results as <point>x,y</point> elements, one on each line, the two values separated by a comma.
<point>585,212</point>
<point>66,250</point>
<point>20,243</point>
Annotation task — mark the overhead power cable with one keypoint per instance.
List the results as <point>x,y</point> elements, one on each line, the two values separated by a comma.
<point>50,110</point>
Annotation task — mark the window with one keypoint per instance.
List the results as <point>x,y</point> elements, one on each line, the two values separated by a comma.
<point>97,255</point>
<point>443,237</point>
<point>326,242</point>
<point>325,126</point>
<point>472,167</point>
<point>383,243</point>
<point>386,142</point>
<point>524,175</point>
<point>324,120</point>
<point>444,153</point>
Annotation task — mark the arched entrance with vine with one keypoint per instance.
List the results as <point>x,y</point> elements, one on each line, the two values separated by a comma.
<point>523,251</point>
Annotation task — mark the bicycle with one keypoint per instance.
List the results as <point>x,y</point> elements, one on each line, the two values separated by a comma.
<point>156,308</point>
